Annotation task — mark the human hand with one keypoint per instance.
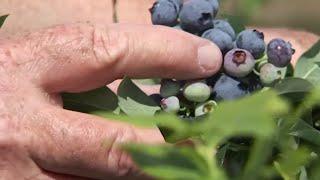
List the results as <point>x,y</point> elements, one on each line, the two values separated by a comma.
<point>29,15</point>
<point>41,140</point>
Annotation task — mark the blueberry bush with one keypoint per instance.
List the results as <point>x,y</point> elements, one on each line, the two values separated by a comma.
<point>257,118</point>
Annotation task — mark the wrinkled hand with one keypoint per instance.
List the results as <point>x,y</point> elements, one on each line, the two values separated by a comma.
<point>41,140</point>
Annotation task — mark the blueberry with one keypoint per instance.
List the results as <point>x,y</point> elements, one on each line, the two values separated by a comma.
<point>196,16</point>
<point>177,3</point>
<point>270,74</point>
<point>220,38</point>
<point>215,6</point>
<point>279,52</point>
<point>170,104</point>
<point>169,88</point>
<point>252,41</point>
<point>197,92</point>
<point>164,12</point>
<point>228,88</point>
<point>205,108</point>
<point>238,63</point>
<point>225,27</point>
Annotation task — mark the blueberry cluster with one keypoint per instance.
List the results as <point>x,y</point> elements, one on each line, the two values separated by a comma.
<point>249,63</point>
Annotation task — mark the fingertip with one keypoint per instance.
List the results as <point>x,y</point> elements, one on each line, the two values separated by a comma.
<point>209,57</point>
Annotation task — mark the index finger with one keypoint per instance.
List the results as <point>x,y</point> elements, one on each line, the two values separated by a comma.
<point>80,57</point>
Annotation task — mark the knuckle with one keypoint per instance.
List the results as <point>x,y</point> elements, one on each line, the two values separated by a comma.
<point>118,158</point>
<point>108,45</point>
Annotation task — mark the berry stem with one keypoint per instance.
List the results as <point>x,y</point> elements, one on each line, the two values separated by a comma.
<point>256,72</point>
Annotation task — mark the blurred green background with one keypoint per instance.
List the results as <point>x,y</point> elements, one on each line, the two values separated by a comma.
<point>300,14</point>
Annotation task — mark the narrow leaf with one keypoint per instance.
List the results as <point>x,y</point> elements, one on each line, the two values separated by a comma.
<point>169,162</point>
<point>308,65</point>
<point>134,108</point>
<point>3,19</point>
<point>306,132</point>
<point>101,99</point>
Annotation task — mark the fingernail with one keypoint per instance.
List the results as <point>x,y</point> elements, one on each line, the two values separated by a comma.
<point>210,57</point>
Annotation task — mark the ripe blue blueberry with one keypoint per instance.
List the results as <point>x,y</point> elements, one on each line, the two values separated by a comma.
<point>215,6</point>
<point>169,88</point>
<point>252,41</point>
<point>225,27</point>
<point>279,52</point>
<point>177,3</point>
<point>220,38</point>
<point>196,16</point>
<point>228,88</point>
<point>270,74</point>
<point>197,92</point>
<point>238,63</point>
<point>164,12</point>
<point>170,104</point>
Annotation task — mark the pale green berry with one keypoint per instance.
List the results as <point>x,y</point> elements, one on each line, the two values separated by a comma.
<point>270,74</point>
<point>197,92</point>
<point>170,104</point>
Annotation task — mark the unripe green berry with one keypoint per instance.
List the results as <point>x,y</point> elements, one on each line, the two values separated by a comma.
<point>270,74</point>
<point>170,104</point>
<point>197,92</point>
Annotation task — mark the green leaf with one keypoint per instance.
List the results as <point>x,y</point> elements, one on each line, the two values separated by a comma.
<point>303,174</point>
<point>169,162</point>
<point>256,161</point>
<point>221,154</point>
<point>290,163</point>
<point>293,85</point>
<point>294,88</point>
<point>128,89</point>
<point>306,132</point>
<point>101,99</point>
<point>313,99</point>
<point>148,81</point>
<point>308,65</point>
<point>133,101</point>
<point>133,108</point>
<point>238,117</point>
<point>315,170</point>
<point>2,19</point>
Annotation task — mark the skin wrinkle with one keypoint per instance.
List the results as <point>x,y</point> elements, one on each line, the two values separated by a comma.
<point>123,136</point>
<point>119,47</point>
<point>103,49</point>
<point>47,138</point>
